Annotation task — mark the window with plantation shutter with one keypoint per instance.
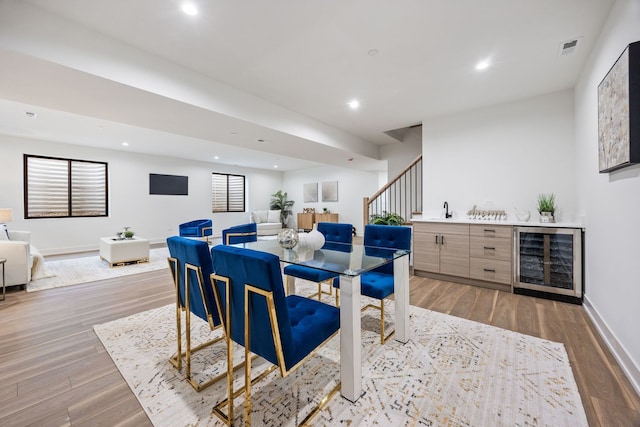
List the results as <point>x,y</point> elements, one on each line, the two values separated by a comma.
<point>60,188</point>
<point>227,192</point>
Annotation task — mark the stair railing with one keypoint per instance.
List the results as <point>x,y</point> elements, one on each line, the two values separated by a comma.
<point>402,195</point>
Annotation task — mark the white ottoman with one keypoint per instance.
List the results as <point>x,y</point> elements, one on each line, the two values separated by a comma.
<point>121,252</point>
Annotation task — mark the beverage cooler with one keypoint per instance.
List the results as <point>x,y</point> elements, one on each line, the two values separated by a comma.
<point>549,263</point>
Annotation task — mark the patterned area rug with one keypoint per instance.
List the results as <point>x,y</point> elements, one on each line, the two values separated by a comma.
<point>452,372</point>
<point>75,271</point>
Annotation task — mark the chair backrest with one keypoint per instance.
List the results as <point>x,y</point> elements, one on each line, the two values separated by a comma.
<point>261,270</point>
<point>194,228</point>
<point>240,234</point>
<point>201,298</point>
<point>335,232</point>
<point>387,236</point>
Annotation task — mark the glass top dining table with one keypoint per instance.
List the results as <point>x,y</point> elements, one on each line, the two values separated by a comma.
<point>350,261</point>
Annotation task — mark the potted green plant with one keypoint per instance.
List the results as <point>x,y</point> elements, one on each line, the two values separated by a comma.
<point>128,234</point>
<point>386,218</point>
<point>279,202</point>
<point>546,207</point>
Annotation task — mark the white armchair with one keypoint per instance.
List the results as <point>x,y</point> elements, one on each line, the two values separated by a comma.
<point>17,252</point>
<point>267,222</point>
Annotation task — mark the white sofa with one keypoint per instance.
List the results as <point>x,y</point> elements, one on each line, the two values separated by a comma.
<point>17,252</point>
<point>267,222</point>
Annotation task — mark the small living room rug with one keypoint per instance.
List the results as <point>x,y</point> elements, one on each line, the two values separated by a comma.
<point>452,372</point>
<point>74,271</point>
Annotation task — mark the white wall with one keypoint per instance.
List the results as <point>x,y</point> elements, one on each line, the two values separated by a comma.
<point>610,201</point>
<point>501,157</point>
<point>151,216</point>
<point>400,154</point>
<point>353,186</point>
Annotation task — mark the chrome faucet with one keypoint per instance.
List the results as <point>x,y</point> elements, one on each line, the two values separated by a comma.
<point>446,212</point>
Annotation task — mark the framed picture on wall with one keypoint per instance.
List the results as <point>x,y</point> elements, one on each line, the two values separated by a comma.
<point>619,112</point>
<point>310,192</point>
<point>330,191</point>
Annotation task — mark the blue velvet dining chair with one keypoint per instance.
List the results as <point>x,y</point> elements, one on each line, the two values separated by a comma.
<point>191,268</point>
<point>201,228</point>
<point>333,233</point>
<point>282,329</point>
<point>242,233</point>
<point>379,283</point>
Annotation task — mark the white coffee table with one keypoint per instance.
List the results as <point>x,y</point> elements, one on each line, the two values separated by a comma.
<point>121,252</point>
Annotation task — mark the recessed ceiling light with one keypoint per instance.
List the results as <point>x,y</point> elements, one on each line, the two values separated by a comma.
<point>190,9</point>
<point>275,166</point>
<point>354,104</point>
<point>216,157</point>
<point>483,65</point>
<point>125,144</point>
<point>99,127</point>
<point>373,52</point>
<point>31,114</point>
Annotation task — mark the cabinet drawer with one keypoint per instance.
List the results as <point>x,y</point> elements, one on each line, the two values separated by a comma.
<point>490,270</point>
<point>440,228</point>
<point>491,231</point>
<point>490,248</point>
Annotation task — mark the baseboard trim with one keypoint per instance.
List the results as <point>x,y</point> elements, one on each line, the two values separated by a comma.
<point>463,280</point>
<point>619,353</point>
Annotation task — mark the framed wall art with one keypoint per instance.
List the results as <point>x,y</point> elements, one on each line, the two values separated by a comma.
<point>310,192</point>
<point>619,112</point>
<point>330,191</point>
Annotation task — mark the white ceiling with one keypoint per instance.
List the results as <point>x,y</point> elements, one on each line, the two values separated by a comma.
<point>278,70</point>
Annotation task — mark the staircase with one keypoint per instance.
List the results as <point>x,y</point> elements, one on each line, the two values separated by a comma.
<point>402,195</point>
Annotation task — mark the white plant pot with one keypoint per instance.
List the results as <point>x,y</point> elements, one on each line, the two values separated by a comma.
<point>546,217</point>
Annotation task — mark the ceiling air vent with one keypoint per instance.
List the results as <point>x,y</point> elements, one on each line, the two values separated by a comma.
<point>568,47</point>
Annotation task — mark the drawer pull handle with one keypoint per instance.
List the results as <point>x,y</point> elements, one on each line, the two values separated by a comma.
<point>436,239</point>
<point>487,230</point>
<point>489,270</point>
<point>489,248</point>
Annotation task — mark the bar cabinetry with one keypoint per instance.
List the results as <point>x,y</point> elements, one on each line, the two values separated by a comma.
<point>490,252</point>
<point>441,248</point>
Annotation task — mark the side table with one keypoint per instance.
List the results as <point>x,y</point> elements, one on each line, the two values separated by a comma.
<point>122,252</point>
<point>2,261</point>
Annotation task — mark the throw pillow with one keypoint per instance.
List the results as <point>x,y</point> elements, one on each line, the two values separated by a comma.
<point>4,233</point>
<point>259,216</point>
<point>274,216</point>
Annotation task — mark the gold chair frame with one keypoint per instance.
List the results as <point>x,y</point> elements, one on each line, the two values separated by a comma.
<point>206,238</point>
<point>248,233</point>
<point>226,323</point>
<point>229,416</point>
<point>321,292</point>
<point>273,318</point>
<point>176,359</point>
<point>383,338</point>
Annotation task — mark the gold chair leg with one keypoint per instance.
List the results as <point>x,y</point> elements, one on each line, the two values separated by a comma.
<point>320,291</point>
<point>383,339</point>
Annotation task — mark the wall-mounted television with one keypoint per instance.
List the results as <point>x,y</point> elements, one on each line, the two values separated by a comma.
<point>175,185</point>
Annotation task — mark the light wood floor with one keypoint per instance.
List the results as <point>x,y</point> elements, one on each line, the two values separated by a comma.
<point>55,372</point>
